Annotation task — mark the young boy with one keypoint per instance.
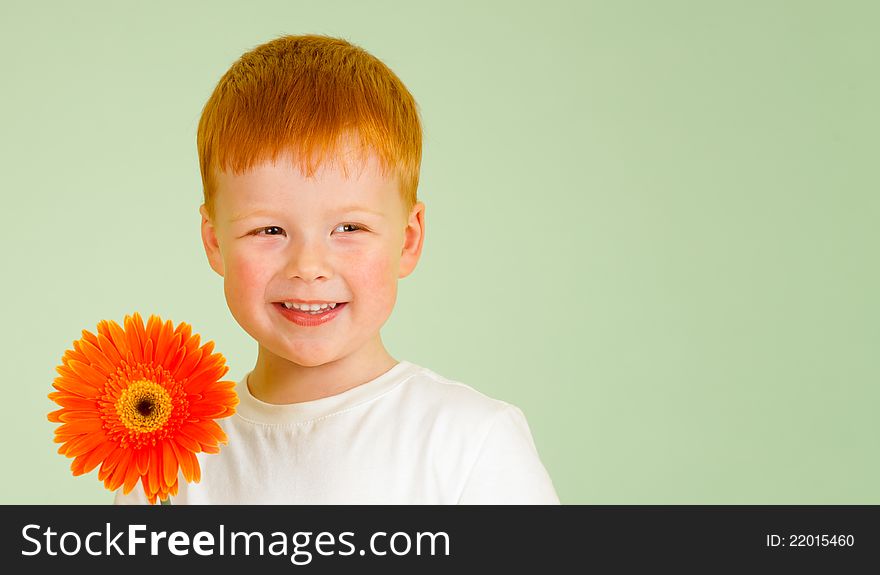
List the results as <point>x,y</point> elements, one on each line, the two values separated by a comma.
<point>310,150</point>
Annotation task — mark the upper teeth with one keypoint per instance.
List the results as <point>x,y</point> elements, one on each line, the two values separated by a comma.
<point>308,306</point>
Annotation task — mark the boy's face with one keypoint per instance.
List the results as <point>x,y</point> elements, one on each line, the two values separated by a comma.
<point>279,237</point>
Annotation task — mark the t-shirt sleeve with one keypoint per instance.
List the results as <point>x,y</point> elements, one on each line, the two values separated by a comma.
<point>508,470</point>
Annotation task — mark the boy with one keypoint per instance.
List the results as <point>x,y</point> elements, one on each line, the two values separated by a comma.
<point>310,151</point>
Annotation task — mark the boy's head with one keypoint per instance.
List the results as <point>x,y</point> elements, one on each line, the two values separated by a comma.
<point>310,150</point>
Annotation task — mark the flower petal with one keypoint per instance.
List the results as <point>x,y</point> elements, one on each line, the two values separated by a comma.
<point>148,351</point>
<point>189,362</point>
<point>169,463</point>
<point>208,348</point>
<point>185,330</point>
<point>155,468</point>
<point>110,352</point>
<point>196,432</point>
<point>89,337</point>
<point>187,443</point>
<point>88,374</point>
<point>197,471</point>
<point>138,323</point>
<point>97,360</point>
<point>192,344</point>
<point>64,369</point>
<point>215,430</point>
<point>110,463</point>
<point>76,466</point>
<point>69,415</point>
<point>204,379</point>
<point>163,340</point>
<point>174,362</point>
<point>74,445</point>
<point>75,387</point>
<point>224,396</point>
<point>118,476</point>
<point>135,346</point>
<point>117,336</point>
<point>131,478</point>
<point>79,426</point>
<point>182,460</point>
<point>172,350</point>
<point>142,460</point>
<point>154,325</point>
<point>103,328</point>
<point>206,410</point>
<point>72,402</point>
<point>146,485</point>
<point>98,455</point>
<point>71,354</point>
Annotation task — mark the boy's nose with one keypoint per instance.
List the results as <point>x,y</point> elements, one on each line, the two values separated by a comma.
<point>309,263</point>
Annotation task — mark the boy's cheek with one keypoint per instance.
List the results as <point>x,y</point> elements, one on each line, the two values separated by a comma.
<point>376,276</point>
<point>373,268</point>
<point>244,275</point>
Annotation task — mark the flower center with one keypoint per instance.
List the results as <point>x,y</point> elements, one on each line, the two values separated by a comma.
<point>144,406</point>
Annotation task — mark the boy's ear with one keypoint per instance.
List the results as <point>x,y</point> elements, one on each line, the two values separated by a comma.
<point>414,237</point>
<point>209,239</point>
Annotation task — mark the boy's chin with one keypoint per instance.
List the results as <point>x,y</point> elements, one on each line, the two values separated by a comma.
<point>307,358</point>
<point>310,361</point>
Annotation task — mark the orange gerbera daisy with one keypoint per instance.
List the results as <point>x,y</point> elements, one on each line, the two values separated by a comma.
<point>141,402</point>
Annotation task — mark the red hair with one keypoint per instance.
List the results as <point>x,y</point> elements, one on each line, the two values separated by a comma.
<point>303,96</point>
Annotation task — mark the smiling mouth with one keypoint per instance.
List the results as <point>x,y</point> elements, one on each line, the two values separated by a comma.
<point>309,314</point>
<point>313,308</point>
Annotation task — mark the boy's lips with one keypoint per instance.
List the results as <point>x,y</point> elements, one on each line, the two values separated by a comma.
<point>307,301</point>
<point>307,319</point>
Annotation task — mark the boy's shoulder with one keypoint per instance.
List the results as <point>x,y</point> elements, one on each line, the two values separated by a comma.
<point>448,397</point>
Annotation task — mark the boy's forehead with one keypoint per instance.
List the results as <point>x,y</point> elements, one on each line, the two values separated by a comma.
<point>355,181</point>
<point>346,152</point>
<point>346,157</point>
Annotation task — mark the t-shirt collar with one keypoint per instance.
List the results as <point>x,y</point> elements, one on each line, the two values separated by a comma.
<point>252,409</point>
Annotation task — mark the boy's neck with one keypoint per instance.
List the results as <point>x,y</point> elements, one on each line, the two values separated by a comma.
<point>279,381</point>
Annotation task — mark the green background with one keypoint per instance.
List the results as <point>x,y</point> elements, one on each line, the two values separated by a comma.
<point>653,226</point>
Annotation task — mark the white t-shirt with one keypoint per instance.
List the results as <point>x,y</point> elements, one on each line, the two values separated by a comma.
<point>409,436</point>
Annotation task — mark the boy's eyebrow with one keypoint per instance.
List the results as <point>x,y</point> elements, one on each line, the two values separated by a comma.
<point>250,214</point>
<point>346,209</point>
<point>360,209</point>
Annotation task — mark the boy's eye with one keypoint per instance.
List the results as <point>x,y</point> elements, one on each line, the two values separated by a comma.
<point>275,230</point>
<point>267,228</point>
